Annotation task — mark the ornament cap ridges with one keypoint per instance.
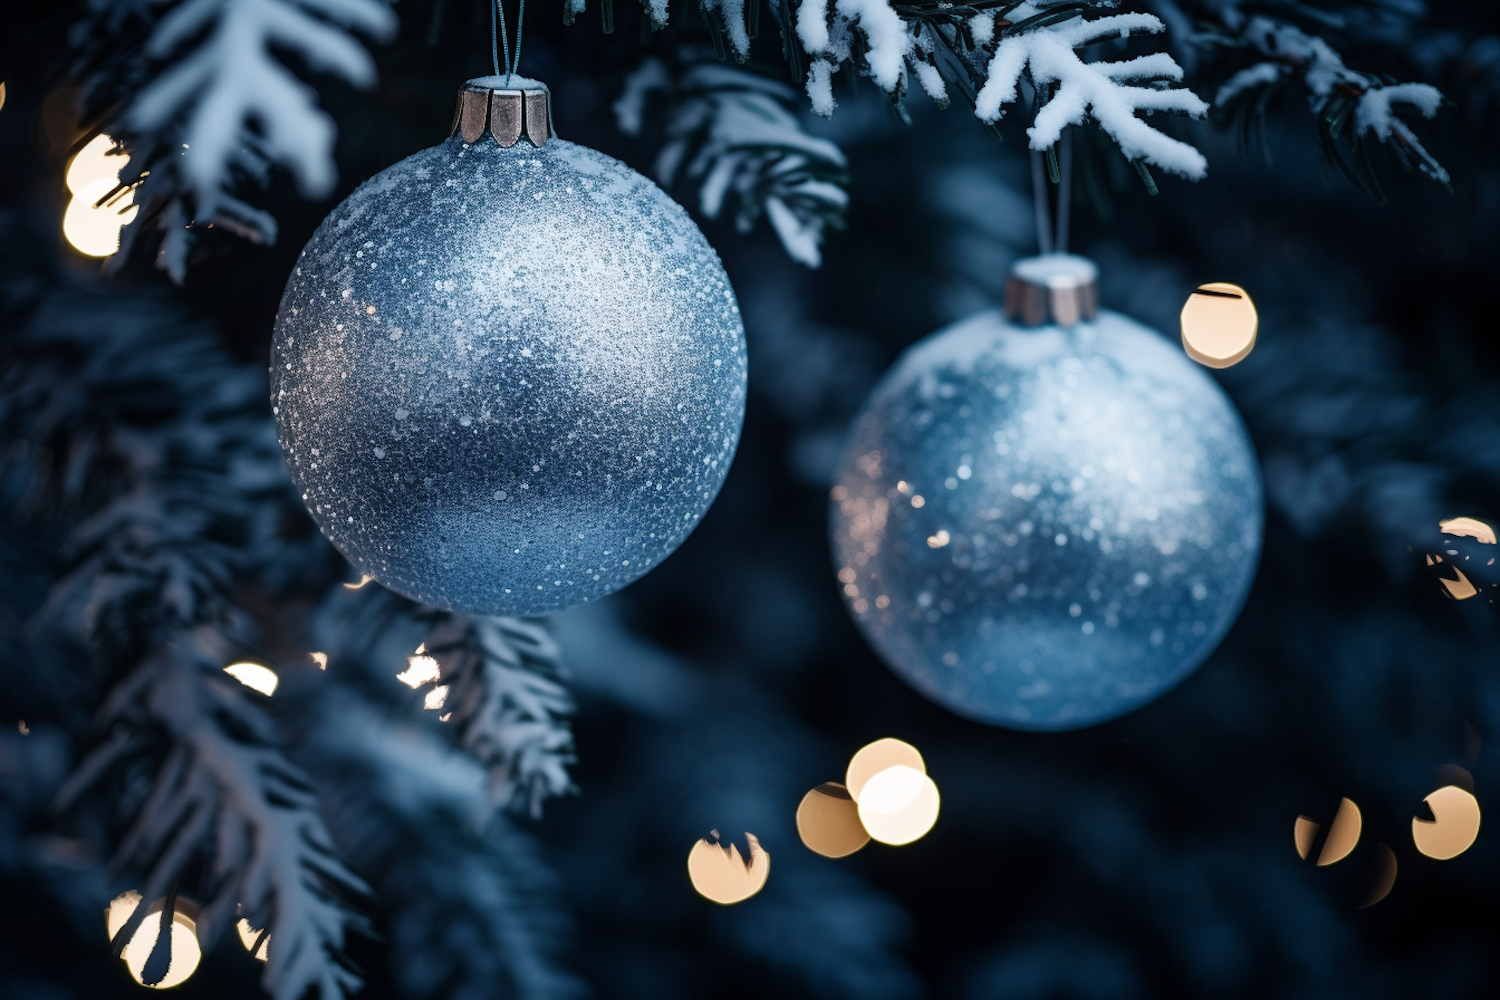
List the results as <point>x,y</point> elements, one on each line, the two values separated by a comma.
<point>1053,288</point>
<point>507,107</point>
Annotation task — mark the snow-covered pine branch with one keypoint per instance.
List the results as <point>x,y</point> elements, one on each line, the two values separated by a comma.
<point>987,54</point>
<point>226,812</point>
<point>508,704</point>
<point>179,495</point>
<point>1073,90</point>
<point>1336,94</point>
<point>496,683</point>
<point>206,103</point>
<point>474,911</point>
<point>732,134</point>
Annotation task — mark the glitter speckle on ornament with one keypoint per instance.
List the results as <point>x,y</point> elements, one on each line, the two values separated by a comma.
<point>508,378</point>
<point>1046,528</point>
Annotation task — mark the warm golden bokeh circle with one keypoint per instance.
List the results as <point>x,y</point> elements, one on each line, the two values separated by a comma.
<point>720,874</point>
<point>828,821</point>
<point>1219,324</point>
<point>875,757</point>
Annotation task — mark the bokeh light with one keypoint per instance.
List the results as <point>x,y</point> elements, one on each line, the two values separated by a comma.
<point>1383,878</point>
<point>1303,833</point>
<point>1468,527</point>
<point>828,821</point>
<point>95,231</point>
<point>1454,826</point>
<point>92,229</point>
<point>94,163</point>
<point>1463,562</point>
<point>720,874</point>
<point>876,757</point>
<point>898,805</point>
<point>1343,834</point>
<point>420,669</point>
<point>254,676</point>
<point>1219,324</point>
<point>186,954</point>
<point>249,935</point>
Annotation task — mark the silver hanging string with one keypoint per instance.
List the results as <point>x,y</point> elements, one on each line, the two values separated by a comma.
<point>1039,203</point>
<point>1065,192</point>
<point>500,35</point>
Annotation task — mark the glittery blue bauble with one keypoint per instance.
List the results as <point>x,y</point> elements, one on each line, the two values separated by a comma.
<point>1044,529</point>
<point>508,380</point>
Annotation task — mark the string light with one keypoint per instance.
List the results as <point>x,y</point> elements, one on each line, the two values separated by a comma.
<point>420,669</point>
<point>254,676</point>
<point>875,757</point>
<point>899,805</point>
<point>1343,834</point>
<point>92,229</point>
<point>828,821</point>
<point>718,873</point>
<point>1219,324</point>
<point>1454,826</point>
<point>249,935</point>
<point>185,951</point>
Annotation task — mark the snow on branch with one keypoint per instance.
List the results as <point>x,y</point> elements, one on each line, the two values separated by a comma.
<point>986,54</point>
<point>1073,90</point>
<point>222,790</point>
<point>176,496</point>
<point>508,704</point>
<point>208,103</point>
<point>475,911</point>
<point>732,134</point>
<point>1336,93</point>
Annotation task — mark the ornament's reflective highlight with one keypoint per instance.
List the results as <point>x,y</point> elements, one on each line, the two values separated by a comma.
<point>1044,529</point>
<point>1454,826</point>
<point>718,873</point>
<point>828,821</point>
<point>508,380</point>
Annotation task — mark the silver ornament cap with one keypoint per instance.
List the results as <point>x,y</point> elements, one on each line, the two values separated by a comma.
<point>1054,289</point>
<point>507,107</point>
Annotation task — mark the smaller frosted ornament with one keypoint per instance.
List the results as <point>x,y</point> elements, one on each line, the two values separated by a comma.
<point>508,372</point>
<point>1045,519</point>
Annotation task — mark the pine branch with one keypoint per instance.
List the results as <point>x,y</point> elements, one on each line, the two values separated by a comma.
<point>508,705</point>
<point>1350,108</point>
<point>224,795</point>
<point>474,912</point>
<point>178,495</point>
<point>203,101</point>
<point>730,134</point>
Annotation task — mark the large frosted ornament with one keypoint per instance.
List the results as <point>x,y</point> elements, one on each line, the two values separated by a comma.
<point>509,371</point>
<point>1043,528</point>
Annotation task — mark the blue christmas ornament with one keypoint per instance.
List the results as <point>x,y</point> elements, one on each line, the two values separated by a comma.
<point>509,371</point>
<point>1043,528</point>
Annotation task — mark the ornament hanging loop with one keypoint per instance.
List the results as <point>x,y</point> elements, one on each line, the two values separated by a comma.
<point>500,35</point>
